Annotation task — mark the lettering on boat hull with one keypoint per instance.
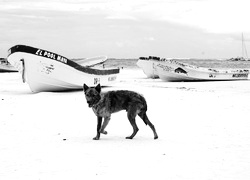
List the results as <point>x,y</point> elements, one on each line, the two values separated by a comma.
<point>165,68</point>
<point>212,75</point>
<point>96,81</point>
<point>51,55</point>
<point>112,78</point>
<point>239,75</point>
<point>46,68</point>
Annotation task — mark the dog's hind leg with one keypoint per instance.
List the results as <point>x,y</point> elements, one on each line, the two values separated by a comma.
<point>144,117</point>
<point>131,117</point>
<point>99,124</point>
<point>135,128</point>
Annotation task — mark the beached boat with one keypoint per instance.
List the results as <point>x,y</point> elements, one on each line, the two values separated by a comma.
<point>47,71</point>
<point>172,70</point>
<point>148,65</point>
<point>92,61</point>
<point>5,66</point>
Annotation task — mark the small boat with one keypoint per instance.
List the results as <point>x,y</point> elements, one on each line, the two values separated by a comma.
<point>148,65</point>
<point>92,61</point>
<point>238,59</point>
<point>5,66</point>
<point>244,56</point>
<point>47,71</point>
<point>172,70</point>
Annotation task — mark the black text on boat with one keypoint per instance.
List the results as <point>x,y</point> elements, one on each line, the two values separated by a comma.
<point>51,55</point>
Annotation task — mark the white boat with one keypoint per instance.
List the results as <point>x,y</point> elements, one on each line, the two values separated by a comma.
<point>47,71</point>
<point>5,66</point>
<point>171,70</point>
<point>92,61</point>
<point>148,65</point>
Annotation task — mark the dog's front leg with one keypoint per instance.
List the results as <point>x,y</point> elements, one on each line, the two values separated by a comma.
<point>104,125</point>
<point>99,124</point>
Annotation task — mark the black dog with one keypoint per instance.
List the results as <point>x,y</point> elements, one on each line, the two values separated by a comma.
<point>104,104</point>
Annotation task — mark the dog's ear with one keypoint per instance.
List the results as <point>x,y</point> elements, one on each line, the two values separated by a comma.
<point>98,88</point>
<point>85,87</point>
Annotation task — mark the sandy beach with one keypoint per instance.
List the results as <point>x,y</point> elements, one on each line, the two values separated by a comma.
<point>203,128</point>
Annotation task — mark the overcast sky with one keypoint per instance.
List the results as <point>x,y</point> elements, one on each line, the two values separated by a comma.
<point>127,28</point>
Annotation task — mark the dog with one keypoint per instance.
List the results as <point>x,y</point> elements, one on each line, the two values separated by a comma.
<point>104,104</point>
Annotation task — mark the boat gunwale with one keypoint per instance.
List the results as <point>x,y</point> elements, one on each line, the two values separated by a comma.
<point>197,68</point>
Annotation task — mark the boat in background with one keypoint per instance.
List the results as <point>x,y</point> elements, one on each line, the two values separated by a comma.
<point>148,65</point>
<point>92,61</point>
<point>5,66</point>
<point>244,56</point>
<point>172,70</point>
<point>47,71</point>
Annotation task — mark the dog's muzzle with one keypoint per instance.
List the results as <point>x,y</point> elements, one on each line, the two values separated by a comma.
<point>93,101</point>
<point>89,103</point>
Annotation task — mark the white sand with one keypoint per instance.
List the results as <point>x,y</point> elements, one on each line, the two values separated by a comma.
<point>203,128</point>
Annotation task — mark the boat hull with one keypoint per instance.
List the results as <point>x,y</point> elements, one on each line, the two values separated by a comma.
<point>148,67</point>
<point>47,71</point>
<point>170,70</point>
